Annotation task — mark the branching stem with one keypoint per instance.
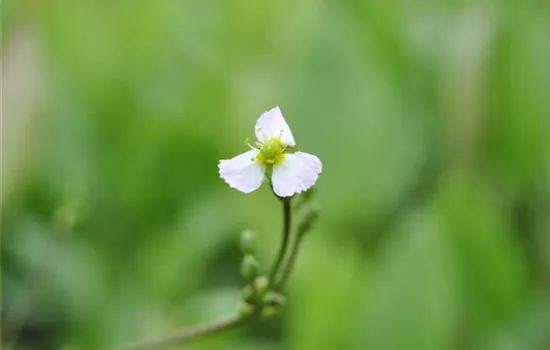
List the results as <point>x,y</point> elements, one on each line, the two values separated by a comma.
<point>290,264</point>
<point>185,335</point>
<point>229,322</point>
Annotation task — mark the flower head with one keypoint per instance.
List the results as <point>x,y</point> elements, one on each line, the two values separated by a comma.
<point>275,157</point>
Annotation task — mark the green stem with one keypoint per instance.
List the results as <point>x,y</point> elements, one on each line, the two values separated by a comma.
<point>185,335</point>
<point>290,264</point>
<point>287,218</point>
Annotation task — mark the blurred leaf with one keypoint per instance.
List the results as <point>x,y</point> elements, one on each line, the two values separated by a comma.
<point>490,264</point>
<point>410,302</point>
<point>23,102</point>
<point>325,291</point>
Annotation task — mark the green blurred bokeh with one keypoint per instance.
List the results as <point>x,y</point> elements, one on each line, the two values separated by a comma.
<point>431,118</point>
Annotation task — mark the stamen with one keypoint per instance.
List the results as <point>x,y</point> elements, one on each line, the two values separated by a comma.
<point>261,131</point>
<point>281,140</point>
<point>247,143</point>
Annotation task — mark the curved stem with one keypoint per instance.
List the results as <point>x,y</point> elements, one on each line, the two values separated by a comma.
<point>222,324</point>
<point>290,264</point>
<point>185,335</point>
<point>287,218</point>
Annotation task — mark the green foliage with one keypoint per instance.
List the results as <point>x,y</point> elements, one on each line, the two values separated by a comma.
<point>432,121</point>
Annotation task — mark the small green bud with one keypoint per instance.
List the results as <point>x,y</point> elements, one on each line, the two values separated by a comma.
<point>274,299</point>
<point>305,198</point>
<point>248,242</point>
<point>249,267</point>
<point>245,309</point>
<point>309,214</point>
<point>260,284</point>
<point>248,294</point>
<point>270,311</point>
<point>272,303</point>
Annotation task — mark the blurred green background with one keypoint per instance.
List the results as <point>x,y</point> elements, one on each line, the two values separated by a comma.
<point>431,118</point>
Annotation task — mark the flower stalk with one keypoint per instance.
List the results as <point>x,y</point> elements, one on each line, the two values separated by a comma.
<point>186,334</point>
<point>287,224</point>
<point>274,158</point>
<point>262,296</point>
<point>309,215</point>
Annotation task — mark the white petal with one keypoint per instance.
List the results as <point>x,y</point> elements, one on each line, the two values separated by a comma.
<point>243,172</point>
<point>295,174</point>
<point>312,161</point>
<point>272,124</point>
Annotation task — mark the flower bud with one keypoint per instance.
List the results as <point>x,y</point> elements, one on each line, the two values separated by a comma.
<point>274,299</point>
<point>308,216</point>
<point>248,294</point>
<point>249,267</point>
<point>272,304</point>
<point>245,309</point>
<point>248,242</point>
<point>260,284</point>
<point>304,198</point>
<point>270,310</point>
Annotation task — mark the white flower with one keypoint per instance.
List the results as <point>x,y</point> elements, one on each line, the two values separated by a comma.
<point>275,157</point>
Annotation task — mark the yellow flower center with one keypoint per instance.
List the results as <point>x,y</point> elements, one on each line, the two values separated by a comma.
<point>272,152</point>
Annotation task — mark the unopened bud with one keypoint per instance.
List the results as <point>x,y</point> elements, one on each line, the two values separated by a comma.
<point>245,309</point>
<point>249,267</point>
<point>260,284</point>
<point>270,311</point>
<point>248,242</point>
<point>248,294</point>
<point>274,299</point>
<point>305,198</point>
<point>308,216</point>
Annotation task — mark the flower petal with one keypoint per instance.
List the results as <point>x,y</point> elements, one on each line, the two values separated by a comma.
<point>272,124</point>
<point>312,161</point>
<point>295,174</point>
<point>243,172</point>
